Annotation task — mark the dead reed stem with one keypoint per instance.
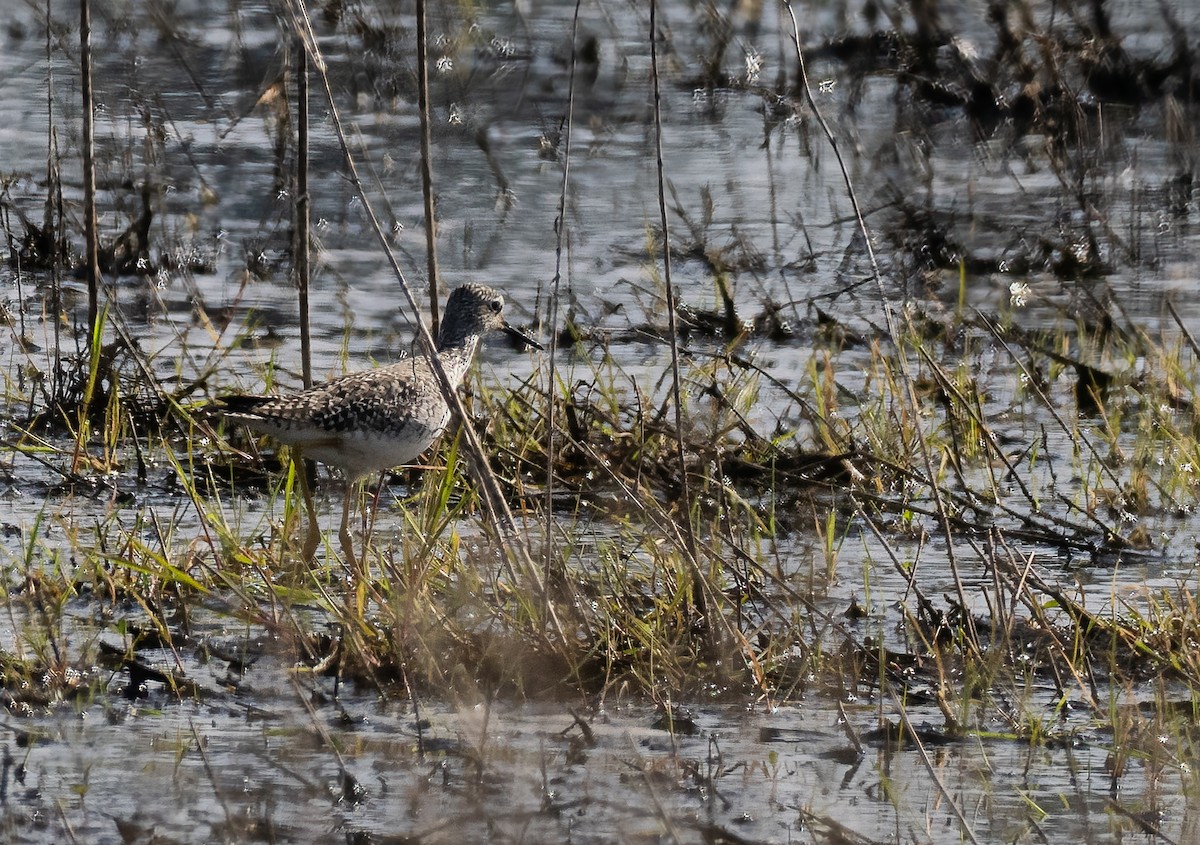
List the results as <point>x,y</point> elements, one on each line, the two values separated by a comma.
<point>90,224</point>
<point>302,266</point>
<point>431,260</point>
<point>54,203</point>
<point>685,507</point>
<point>560,225</point>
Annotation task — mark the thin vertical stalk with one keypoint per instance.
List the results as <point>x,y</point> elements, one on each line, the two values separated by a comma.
<point>302,267</point>
<point>427,166</point>
<point>689,533</point>
<point>560,227</point>
<point>301,263</point>
<point>54,182</point>
<point>90,225</point>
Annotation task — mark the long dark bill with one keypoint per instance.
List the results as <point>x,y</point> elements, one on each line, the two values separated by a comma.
<point>519,335</point>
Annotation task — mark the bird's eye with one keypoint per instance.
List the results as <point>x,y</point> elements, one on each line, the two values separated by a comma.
<point>497,304</point>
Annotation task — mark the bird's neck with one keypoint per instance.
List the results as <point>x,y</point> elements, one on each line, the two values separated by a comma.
<point>456,356</point>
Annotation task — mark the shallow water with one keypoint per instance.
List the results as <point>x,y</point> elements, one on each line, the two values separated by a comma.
<point>227,770</point>
<point>249,757</point>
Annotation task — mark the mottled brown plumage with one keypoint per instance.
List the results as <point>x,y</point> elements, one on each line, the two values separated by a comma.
<point>372,420</point>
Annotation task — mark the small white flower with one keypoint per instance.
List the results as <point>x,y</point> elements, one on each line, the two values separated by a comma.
<point>444,65</point>
<point>754,65</point>
<point>1018,294</point>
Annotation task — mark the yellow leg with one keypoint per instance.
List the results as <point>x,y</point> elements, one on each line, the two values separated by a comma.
<point>312,538</point>
<point>356,593</point>
<point>369,516</point>
<point>344,530</point>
